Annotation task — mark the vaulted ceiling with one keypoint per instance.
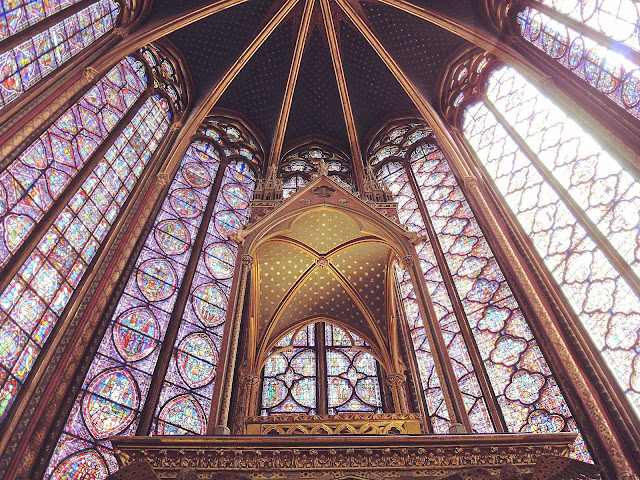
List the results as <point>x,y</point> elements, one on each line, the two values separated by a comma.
<point>324,264</point>
<point>316,74</point>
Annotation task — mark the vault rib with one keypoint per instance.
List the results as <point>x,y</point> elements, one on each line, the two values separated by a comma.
<point>201,110</point>
<point>275,316</point>
<point>296,61</point>
<point>362,306</point>
<point>345,101</point>
<point>161,29</point>
<point>446,141</point>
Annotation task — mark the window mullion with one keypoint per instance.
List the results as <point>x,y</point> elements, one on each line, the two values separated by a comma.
<point>166,351</point>
<point>472,348</point>
<point>322,385</point>
<point>414,369</point>
<point>15,261</point>
<point>592,229</point>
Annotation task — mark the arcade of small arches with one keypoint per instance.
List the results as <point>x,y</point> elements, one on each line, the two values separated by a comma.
<point>473,268</point>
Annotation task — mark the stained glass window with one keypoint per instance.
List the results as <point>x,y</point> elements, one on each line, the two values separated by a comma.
<point>568,181</point>
<point>115,388</point>
<point>185,399</point>
<point>234,139</point>
<point>433,394</point>
<point>167,76</point>
<point>35,299</point>
<point>292,372</point>
<point>289,383</point>
<point>292,184</point>
<point>394,175</point>
<point>38,176</point>
<point>522,384</point>
<point>599,63</point>
<point>24,65</point>
<point>299,167</point>
<point>17,15</point>
<point>352,375</point>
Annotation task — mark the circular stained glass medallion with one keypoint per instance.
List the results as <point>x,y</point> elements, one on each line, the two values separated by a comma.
<point>136,334</point>
<point>197,359</point>
<point>110,402</point>
<point>576,53</point>
<point>186,203</point>
<point>182,415</point>
<point>535,27</point>
<point>227,224</point>
<point>28,310</point>
<point>87,465</point>
<point>196,175</point>
<point>173,237</point>
<point>235,195</point>
<point>630,90</point>
<point>220,260</point>
<point>157,279</point>
<point>12,342</point>
<point>210,304</point>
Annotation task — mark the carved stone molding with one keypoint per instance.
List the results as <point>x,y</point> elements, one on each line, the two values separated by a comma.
<point>367,456</point>
<point>176,126</point>
<point>324,191</point>
<point>343,424</point>
<point>121,32</point>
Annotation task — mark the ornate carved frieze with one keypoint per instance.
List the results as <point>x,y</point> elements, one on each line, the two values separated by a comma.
<point>343,424</point>
<point>320,457</point>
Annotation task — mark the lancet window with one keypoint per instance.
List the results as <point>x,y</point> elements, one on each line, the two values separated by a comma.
<point>595,40</point>
<point>319,369</point>
<point>576,202</point>
<point>25,63</point>
<point>503,378</point>
<point>52,229</point>
<point>297,168</point>
<point>154,370</point>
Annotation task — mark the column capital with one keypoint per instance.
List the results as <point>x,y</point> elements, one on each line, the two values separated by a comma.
<point>397,378</point>
<point>175,126</point>
<point>162,179</point>
<point>252,379</point>
<point>121,32</point>
<point>470,182</point>
<point>247,260</point>
<point>90,74</point>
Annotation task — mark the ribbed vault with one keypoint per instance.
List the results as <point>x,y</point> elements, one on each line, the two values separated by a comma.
<point>303,68</point>
<point>326,264</point>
